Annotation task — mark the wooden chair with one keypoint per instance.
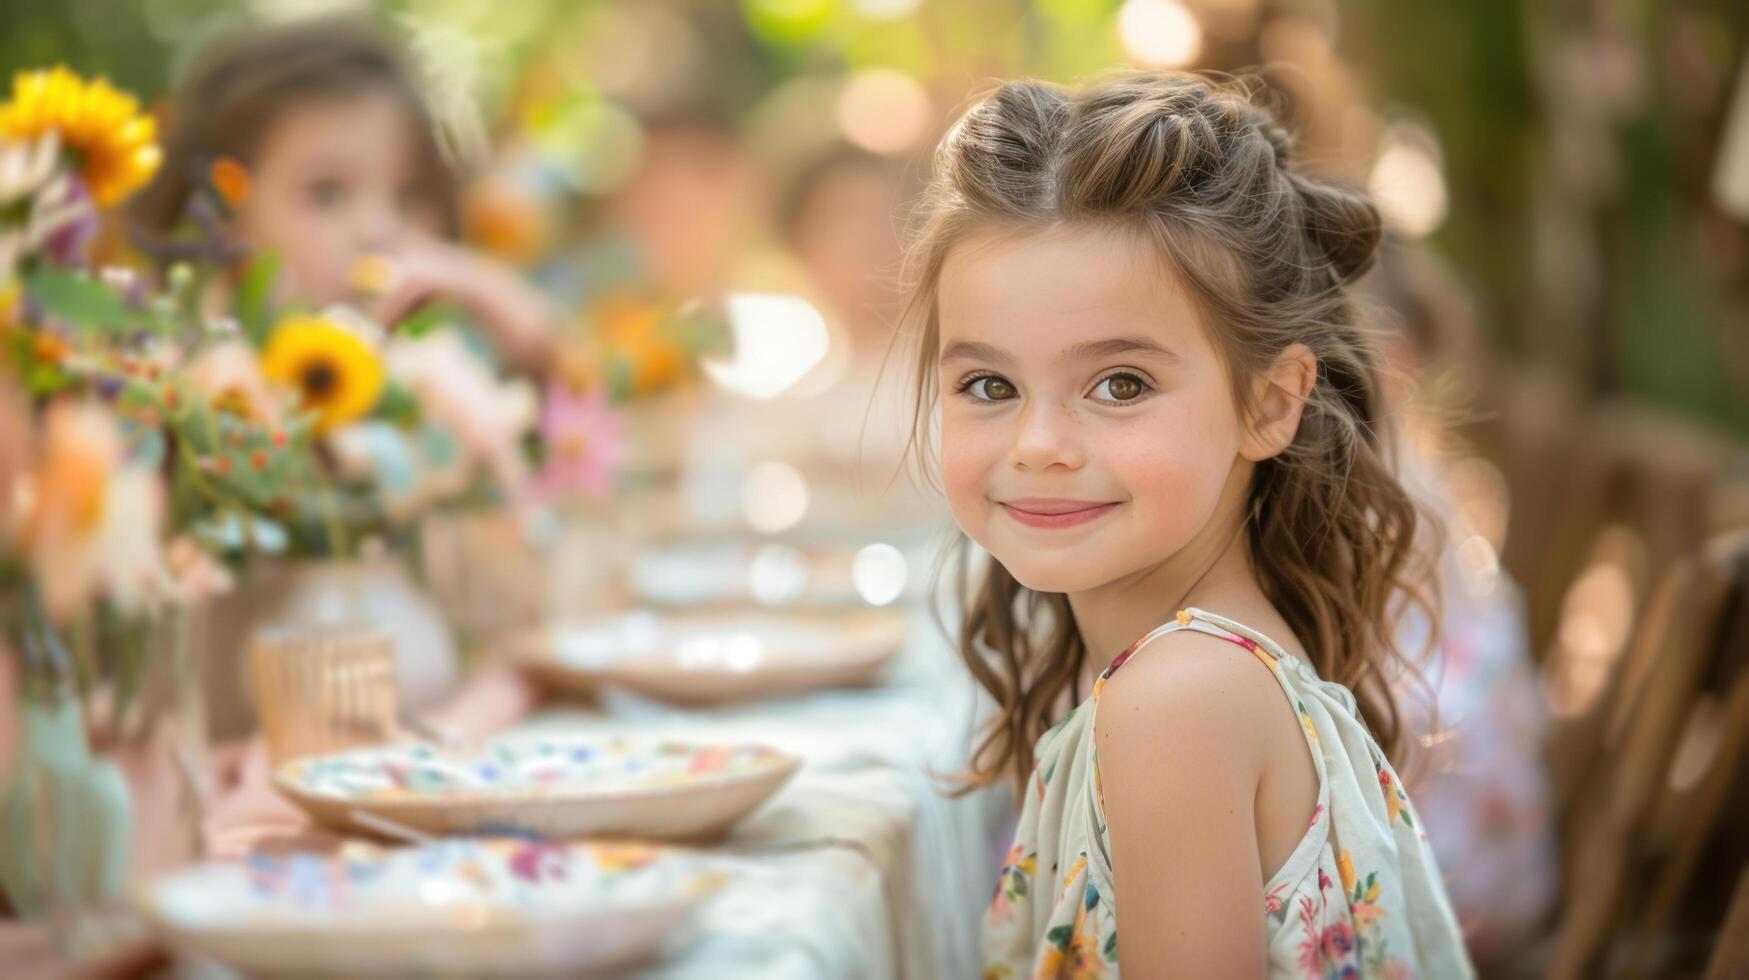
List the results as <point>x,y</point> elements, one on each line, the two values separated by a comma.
<point>1624,883</point>
<point>1730,959</point>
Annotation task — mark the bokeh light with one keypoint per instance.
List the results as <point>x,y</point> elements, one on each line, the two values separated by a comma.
<point>778,575</point>
<point>1159,33</point>
<point>774,497</point>
<point>885,9</point>
<point>778,339</point>
<point>884,111</point>
<point>878,572</point>
<point>1408,179</point>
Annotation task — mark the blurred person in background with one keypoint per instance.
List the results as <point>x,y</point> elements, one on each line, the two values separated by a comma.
<point>840,217</point>
<point>319,139</point>
<point>1475,717</point>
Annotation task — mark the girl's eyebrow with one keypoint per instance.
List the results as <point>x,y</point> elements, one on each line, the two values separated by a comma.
<point>967,350</point>
<point>1089,350</point>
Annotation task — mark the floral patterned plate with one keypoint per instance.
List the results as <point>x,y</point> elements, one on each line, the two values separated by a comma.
<point>545,786</point>
<point>717,658</point>
<point>453,908</point>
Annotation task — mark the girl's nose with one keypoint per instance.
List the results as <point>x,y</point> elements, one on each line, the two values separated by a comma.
<point>1046,438</point>
<point>378,227</point>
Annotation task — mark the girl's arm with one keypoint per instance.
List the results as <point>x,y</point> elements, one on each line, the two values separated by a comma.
<point>1180,760</point>
<point>519,319</point>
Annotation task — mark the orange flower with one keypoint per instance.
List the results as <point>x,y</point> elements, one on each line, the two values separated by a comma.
<point>622,857</point>
<point>506,221</point>
<point>1345,867</point>
<point>633,332</point>
<point>50,348</point>
<point>231,181</point>
<point>1393,804</point>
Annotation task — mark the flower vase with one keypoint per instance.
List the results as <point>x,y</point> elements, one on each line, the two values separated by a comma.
<point>105,780</point>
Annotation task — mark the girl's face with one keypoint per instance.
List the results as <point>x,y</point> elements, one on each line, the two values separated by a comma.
<point>332,180</point>
<point>1088,427</point>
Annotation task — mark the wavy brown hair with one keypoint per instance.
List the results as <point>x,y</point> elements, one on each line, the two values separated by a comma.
<point>1198,166</point>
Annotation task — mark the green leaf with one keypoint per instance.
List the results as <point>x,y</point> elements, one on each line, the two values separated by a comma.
<point>425,319</point>
<point>81,302</point>
<point>397,405</point>
<point>253,306</point>
<point>619,379</point>
<point>1059,937</point>
<point>1110,950</point>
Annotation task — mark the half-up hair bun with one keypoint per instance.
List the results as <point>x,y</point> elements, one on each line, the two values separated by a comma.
<point>1340,223</point>
<point>1000,156</point>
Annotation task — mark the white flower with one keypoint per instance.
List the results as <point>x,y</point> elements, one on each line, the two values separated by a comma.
<point>458,393</point>
<point>26,166</point>
<point>33,180</point>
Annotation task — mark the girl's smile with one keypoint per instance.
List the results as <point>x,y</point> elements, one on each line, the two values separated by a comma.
<point>1052,512</point>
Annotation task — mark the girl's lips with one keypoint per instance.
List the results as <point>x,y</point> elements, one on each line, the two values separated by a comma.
<point>1055,513</point>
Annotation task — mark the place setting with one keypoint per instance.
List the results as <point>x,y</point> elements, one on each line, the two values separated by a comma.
<point>500,856</point>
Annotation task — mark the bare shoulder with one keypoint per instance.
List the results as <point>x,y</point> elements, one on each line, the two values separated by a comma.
<point>1186,691</point>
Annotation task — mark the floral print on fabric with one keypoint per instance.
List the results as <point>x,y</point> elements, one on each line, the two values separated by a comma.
<point>1359,897</point>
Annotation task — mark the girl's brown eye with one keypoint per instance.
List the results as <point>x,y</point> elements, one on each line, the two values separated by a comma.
<point>1121,388</point>
<point>989,388</point>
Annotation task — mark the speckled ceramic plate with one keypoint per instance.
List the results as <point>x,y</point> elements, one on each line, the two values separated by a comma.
<point>548,786</point>
<point>716,658</point>
<point>453,908</point>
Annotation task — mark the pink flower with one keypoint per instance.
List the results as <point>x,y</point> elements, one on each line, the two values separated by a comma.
<point>1272,901</point>
<point>1338,942</point>
<point>459,394</point>
<point>538,861</point>
<point>585,440</point>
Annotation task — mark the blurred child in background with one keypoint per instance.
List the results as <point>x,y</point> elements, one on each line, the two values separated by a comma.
<point>1475,712</point>
<point>341,175</point>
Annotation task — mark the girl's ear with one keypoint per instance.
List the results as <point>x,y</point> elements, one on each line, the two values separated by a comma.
<point>1278,395</point>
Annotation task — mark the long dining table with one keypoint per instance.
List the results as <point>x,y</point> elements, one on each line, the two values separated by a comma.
<point>863,865</point>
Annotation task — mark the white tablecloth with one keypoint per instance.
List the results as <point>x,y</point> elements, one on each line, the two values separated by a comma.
<point>861,866</point>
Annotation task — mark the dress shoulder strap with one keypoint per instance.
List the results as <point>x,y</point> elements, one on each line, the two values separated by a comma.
<point>1263,647</point>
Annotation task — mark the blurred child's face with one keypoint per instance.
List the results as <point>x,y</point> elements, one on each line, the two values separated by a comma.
<point>845,236</point>
<point>332,180</point>
<point>1088,427</point>
<point>685,205</point>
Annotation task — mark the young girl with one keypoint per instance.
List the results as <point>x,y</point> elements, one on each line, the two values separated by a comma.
<point>1159,417</point>
<point>343,177</point>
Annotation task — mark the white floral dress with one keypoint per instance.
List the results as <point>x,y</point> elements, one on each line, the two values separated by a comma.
<point>1360,896</point>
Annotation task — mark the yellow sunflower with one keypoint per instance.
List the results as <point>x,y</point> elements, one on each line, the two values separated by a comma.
<point>336,373</point>
<point>115,143</point>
